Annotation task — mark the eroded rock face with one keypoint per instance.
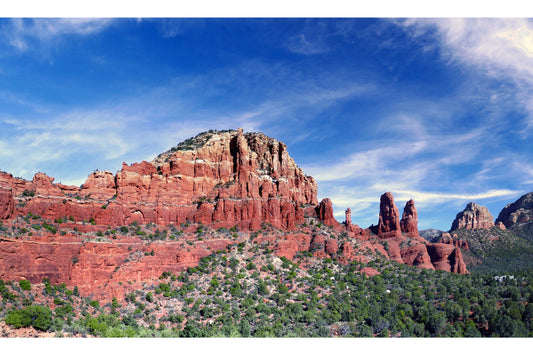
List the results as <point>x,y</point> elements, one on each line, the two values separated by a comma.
<point>7,203</point>
<point>99,185</point>
<point>454,240</point>
<point>97,267</point>
<point>518,212</point>
<point>389,217</point>
<point>474,216</point>
<point>447,257</point>
<point>221,178</point>
<point>409,221</point>
<point>324,212</point>
<point>417,255</point>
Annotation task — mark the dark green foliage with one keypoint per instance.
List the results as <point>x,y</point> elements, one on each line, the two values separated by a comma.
<point>38,317</point>
<point>25,285</point>
<point>28,193</point>
<point>499,251</point>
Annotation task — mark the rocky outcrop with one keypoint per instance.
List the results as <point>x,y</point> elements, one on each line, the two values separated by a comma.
<point>389,217</point>
<point>348,218</point>
<point>99,185</point>
<point>7,203</point>
<point>474,216</point>
<point>409,221</point>
<point>289,245</point>
<point>97,267</point>
<point>216,179</point>
<point>447,257</point>
<point>221,178</point>
<point>417,255</point>
<point>331,246</point>
<point>518,212</point>
<point>453,239</point>
<point>324,212</point>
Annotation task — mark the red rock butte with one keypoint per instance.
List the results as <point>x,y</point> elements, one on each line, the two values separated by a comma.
<point>219,179</point>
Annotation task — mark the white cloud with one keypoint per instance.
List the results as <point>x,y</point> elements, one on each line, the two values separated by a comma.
<point>22,31</point>
<point>438,198</point>
<point>501,49</point>
<point>500,46</point>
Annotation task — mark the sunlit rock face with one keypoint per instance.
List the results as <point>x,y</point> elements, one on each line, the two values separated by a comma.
<point>474,216</point>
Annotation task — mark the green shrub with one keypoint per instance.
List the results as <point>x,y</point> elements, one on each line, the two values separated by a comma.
<point>28,193</point>
<point>25,285</point>
<point>18,319</point>
<point>39,317</point>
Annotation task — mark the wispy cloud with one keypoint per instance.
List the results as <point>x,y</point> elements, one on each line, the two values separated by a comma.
<point>499,48</point>
<point>320,36</point>
<point>21,32</point>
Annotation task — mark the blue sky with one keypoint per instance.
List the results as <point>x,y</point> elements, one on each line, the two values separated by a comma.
<point>438,110</point>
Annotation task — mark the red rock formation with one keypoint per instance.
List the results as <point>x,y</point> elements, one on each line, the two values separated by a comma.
<point>290,244</point>
<point>224,178</point>
<point>7,203</point>
<point>93,265</point>
<point>324,212</point>
<point>409,221</point>
<point>474,216</point>
<point>332,246</point>
<point>368,271</point>
<point>318,243</point>
<point>453,239</point>
<point>221,179</point>
<point>43,185</point>
<point>389,217</point>
<point>348,218</point>
<point>99,185</point>
<point>446,257</point>
<point>417,255</point>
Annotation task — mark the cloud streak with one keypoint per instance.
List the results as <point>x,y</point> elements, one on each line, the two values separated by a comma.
<point>21,32</point>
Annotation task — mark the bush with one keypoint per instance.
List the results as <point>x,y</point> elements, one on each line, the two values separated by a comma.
<point>39,317</point>
<point>28,193</point>
<point>18,319</point>
<point>25,285</point>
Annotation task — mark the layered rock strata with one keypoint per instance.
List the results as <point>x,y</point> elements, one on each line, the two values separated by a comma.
<point>219,178</point>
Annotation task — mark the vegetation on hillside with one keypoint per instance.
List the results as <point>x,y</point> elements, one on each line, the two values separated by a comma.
<point>246,291</point>
<point>494,251</point>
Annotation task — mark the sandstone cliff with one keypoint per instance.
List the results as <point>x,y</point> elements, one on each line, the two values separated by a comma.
<point>474,216</point>
<point>221,178</point>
